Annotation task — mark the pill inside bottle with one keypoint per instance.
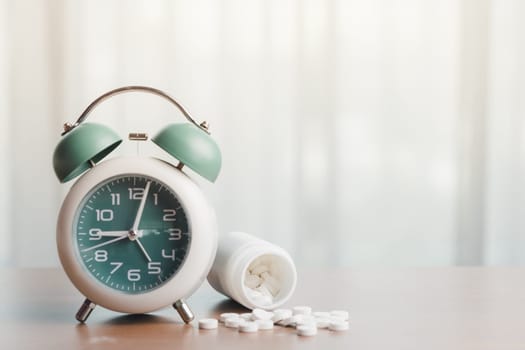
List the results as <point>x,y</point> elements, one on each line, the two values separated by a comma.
<point>264,278</point>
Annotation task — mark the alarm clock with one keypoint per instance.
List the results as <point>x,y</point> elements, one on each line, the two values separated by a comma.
<point>136,234</point>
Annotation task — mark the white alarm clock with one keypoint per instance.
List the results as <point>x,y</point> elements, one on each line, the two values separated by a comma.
<point>136,234</point>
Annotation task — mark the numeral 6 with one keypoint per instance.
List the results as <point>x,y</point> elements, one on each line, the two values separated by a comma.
<point>134,275</point>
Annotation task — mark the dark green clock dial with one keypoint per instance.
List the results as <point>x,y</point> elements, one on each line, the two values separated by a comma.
<point>132,233</point>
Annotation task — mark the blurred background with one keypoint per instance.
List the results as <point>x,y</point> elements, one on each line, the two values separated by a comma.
<point>378,132</point>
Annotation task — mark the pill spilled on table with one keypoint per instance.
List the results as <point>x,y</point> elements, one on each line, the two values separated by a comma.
<point>301,318</point>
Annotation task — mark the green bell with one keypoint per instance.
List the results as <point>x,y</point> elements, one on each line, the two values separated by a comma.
<point>81,148</point>
<point>192,147</point>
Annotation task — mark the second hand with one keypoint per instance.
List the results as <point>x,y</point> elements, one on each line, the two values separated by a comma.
<point>104,243</point>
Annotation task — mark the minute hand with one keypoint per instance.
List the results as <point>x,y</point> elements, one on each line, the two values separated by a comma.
<point>136,223</point>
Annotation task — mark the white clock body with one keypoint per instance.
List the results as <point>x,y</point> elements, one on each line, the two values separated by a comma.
<point>198,258</point>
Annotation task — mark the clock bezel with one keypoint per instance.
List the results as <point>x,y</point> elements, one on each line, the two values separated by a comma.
<point>198,260</point>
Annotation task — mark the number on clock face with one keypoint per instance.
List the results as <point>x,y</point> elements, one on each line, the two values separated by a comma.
<point>132,233</point>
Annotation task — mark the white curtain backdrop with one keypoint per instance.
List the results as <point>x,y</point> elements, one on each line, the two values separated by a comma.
<point>379,132</point>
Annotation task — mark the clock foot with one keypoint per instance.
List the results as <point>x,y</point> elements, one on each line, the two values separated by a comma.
<point>84,311</point>
<point>184,311</point>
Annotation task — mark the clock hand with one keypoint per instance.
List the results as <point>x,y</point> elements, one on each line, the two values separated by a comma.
<point>112,233</point>
<point>142,248</point>
<point>136,223</point>
<point>134,232</point>
<point>105,243</point>
<point>135,237</point>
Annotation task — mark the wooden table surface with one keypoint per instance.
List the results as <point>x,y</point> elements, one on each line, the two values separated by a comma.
<point>420,308</point>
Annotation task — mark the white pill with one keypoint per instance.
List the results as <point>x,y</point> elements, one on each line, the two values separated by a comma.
<point>306,330</point>
<point>259,269</point>
<point>248,327</point>
<point>304,319</point>
<point>252,281</point>
<point>266,276</point>
<point>247,316</point>
<point>287,322</point>
<point>294,320</point>
<point>281,314</point>
<point>263,289</point>
<point>337,319</point>
<point>264,324</point>
<point>338,326</point>
<point>269,279</point>
<point>252,293</point>
<point>208,323</point>
<point>340,313</point>
<point>273,290</point>
<point>321,314</point>
<point>262,300</point>
<point>302,310</point>
<point>233,322</point>
<point>260,314</point>
<point>226,315</point>
<point>322,322</point>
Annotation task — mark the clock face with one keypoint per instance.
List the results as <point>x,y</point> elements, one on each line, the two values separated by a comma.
<point>131,233</point>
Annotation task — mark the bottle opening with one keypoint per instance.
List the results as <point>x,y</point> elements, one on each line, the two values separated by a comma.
<point>268,280</point>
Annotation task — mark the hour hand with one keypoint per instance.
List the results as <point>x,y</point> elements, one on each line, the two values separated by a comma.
<point>112,233</point>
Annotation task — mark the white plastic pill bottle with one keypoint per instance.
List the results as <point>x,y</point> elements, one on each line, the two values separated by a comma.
<point>253,272</point>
